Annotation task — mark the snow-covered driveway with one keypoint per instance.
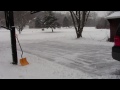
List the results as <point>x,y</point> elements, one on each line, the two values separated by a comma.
<point>93,59</point>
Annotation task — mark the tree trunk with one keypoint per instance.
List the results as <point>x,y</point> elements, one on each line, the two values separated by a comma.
<point>74,22</point>
<point>81,30</point>
<point>19,31</point>
<point>79,25</point>
<point>52,29</point>
<point>82,23</point>
<point>78,35</point>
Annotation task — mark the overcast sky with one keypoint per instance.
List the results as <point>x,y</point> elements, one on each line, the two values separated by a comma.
<point>101,13</point>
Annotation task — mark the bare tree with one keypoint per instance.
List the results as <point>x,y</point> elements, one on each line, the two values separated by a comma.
<point>92,19</point>
<point>21,18</point>
<point>79,20</point>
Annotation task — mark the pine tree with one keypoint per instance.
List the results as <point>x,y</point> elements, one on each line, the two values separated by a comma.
<point>65,22</point>
<point>38,23</point>
<point>50,21</point>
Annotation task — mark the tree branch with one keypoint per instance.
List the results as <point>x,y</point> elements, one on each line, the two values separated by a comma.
<point>87,17</point>
<point>73,21</point>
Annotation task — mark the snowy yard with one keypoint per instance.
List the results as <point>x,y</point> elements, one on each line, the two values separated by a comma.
<point>60,55</point>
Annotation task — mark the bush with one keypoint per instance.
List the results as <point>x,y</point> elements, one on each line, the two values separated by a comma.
<point>102,24</point>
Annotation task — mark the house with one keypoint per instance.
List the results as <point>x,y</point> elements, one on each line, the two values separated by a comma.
<point>114,20</point>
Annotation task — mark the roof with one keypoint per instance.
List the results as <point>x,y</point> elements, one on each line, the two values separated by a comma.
<point>114,15</point>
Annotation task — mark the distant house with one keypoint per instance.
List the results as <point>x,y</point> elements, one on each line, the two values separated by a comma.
<point>114,20</point>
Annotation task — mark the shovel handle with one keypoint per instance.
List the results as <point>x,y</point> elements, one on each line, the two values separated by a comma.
<point>19,45</point>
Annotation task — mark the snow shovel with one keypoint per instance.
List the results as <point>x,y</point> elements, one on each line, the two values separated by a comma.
<point>23,61</point>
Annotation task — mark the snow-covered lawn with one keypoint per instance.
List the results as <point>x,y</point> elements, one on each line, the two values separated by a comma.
<point>59,55</point>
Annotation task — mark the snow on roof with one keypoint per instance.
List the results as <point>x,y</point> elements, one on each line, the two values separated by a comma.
<point>114,15</point>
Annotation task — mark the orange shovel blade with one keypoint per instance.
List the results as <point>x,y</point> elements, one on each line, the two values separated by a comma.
<point>23,62</point>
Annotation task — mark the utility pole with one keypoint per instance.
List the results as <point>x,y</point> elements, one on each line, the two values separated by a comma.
<point>10,25</point>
